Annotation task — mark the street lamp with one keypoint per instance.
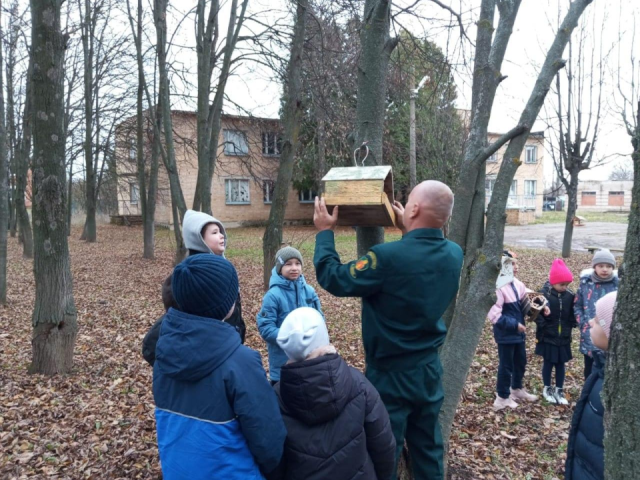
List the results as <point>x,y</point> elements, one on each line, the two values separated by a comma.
<point>412,130</point>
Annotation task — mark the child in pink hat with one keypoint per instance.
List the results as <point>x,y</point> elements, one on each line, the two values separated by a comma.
<point>553,332</point>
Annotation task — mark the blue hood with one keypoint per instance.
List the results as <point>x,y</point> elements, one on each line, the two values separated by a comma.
<point>191,347</point>
<point>279,281</point>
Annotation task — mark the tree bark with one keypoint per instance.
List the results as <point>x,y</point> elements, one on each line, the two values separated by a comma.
<point>377,46</point>
<point>4,183</point>
<point>22,168</point>
<point>572,206</point>
<point>621,388</point>
<point>291,120</point>
<point>89,232</point>
<point>177,198</point>
<point>54,313</point>
<point>468,321</point>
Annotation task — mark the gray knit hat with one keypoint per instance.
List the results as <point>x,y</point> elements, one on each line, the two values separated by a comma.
<point>284,255</point>
<point>603,256</point>
<point>301,332</point>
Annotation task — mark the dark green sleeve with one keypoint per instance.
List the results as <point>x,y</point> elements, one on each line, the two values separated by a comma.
<point>359,278</point>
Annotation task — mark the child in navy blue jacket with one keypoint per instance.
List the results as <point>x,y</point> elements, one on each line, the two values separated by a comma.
<point>288,290</point>
<point>216,414</point>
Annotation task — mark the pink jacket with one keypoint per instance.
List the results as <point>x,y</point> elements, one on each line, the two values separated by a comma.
<point>506,295</point>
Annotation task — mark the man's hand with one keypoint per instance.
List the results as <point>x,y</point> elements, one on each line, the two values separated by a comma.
<point>399,211</point>
<point>321,217</point>
<point>521,328</point>
<point>547,311</point>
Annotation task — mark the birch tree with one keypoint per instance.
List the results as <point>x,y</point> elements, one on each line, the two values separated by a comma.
<point>4,183</point>
<point>54,314</point>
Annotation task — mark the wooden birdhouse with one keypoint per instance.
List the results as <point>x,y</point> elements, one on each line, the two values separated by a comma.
<point>364,195</point>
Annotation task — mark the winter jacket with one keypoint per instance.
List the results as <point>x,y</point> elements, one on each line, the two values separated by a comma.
<point>508,312</point>
<point>282,298</point>
<point>585,450</point>
<point>555,329</point>
<point>337,426</point>
<point>584,308</point>
<point>151,338</point>
<point>216,414</point>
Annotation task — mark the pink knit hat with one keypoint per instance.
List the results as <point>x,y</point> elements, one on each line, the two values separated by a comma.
<point>559,273</point>
<point>604,311</point>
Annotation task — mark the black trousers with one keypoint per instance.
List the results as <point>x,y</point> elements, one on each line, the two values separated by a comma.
<point>513,362</point>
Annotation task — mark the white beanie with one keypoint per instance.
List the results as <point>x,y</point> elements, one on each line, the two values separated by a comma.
<point>302,331</point>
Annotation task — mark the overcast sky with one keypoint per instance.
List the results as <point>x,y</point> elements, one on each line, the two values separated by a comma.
<point>532,36</point>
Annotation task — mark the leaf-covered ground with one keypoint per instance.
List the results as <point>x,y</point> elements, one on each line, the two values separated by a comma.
<point>98,422</point>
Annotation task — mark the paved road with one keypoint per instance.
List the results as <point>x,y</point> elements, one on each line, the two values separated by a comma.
<point>549,236</point>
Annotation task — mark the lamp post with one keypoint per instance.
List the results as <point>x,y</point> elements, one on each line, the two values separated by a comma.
<point>412,130</point>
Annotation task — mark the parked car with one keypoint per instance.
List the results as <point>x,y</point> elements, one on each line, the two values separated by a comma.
<point>549,206</point>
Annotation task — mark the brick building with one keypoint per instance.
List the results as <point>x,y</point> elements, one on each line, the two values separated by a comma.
<point>605,196</point>
<point>528,183</point>
<point>244,178</point>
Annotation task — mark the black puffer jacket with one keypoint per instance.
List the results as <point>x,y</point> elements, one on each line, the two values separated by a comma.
<point>337,426</point>
<point>585,450</point>
<point>556,328</point>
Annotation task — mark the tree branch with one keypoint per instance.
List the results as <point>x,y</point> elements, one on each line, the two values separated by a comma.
<point>495,146</point>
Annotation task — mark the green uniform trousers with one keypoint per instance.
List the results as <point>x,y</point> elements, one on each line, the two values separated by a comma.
<point>413,399</point>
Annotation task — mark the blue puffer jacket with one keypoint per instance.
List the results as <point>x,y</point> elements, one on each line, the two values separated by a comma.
<point>282,298</point>
<point>216,414</point>
<point>584,308</point>
<point>585,450</point>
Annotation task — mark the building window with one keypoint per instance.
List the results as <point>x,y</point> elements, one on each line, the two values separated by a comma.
<point>489,183</point>
<point>133,149</point>
<point>531,154</point>
<point>493,158</point>
<point>134,193</point>
<point>271,144</point>
<point>588,198</point>
<point>237,191</point>
<point>616,199</point>
<point>235,143</point>
<point>513,191</point>
<point>268,187</point>
<point>307,196</point>
<point>530,188</point>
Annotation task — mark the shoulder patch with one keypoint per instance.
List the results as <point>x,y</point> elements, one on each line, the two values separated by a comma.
<point>362,264</point>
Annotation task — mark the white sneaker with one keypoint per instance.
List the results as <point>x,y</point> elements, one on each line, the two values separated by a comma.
<point>549,395</point>
<point>521,394</point>
<point>559,396</point>
<point>501,403</point>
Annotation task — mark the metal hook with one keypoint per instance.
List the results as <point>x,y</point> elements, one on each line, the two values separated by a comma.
<point>357,150</point>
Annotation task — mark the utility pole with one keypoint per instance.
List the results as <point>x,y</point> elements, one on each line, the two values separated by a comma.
<point>412,128</point>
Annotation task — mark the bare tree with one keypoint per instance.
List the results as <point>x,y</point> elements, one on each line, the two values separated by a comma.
<point>178,204</point>
<point>210,115</point>
<point>483,249</point>
<point>578,114</point>
<point>4,184</point>
<point>621,172</point>
<point>620,394</point>
<point>292,114</point>
<point>54,314</point>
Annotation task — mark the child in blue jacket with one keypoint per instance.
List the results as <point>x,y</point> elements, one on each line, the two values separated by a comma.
<point>216,414</point>
<point>288,290</point>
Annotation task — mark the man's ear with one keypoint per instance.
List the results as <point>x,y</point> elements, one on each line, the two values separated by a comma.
<point>415,210</point>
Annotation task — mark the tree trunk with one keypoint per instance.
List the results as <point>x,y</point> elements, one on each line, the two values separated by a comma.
<point>22,168</point>
<point>54,313</point>
<point>572,206</point>
<point>321,133</point>
<point>70,199</point>
<point>164,101</point>
<point>4,184</point>
<point>12,140</point>
<point>468,321</point>
<point>89,232</point>
<point>150,216</point>
<point>412,133</point>
<point>621,392</point>
<point>377,46</point>
<point>291,119</point>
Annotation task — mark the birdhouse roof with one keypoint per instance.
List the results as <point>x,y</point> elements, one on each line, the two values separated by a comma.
<point>378,172</point>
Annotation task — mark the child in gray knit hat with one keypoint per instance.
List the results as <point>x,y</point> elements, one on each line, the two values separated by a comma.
<point>595,283</point>
<point>288,290</point>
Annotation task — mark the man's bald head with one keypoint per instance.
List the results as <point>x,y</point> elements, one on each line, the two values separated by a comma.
<point>429,206</point>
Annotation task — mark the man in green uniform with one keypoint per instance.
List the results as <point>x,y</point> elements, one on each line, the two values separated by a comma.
<point>405,287</point>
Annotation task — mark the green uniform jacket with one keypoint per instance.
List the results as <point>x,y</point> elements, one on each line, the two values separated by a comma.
<point>406,286</point>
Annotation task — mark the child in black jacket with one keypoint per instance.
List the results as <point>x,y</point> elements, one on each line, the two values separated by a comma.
<point>553,332</point>
<point>337,425</point>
